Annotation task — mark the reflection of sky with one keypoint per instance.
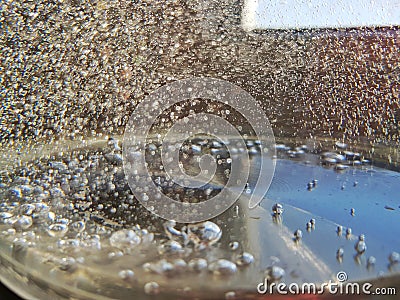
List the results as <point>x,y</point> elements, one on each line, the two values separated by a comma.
<point>320,13</point>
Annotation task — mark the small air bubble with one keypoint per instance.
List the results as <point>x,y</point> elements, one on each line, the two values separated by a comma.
<point>152,288</point>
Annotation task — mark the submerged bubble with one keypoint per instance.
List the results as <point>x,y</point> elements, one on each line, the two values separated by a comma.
<point>394,257</point>
<point>277,209</point>
<point>57,230</point>
<point>198,264</point>
<point>230,295</point>
<point>371,261</point>
<point>339,230</point>
<point>19,248</point>
<point>15,193</point>
<point>115,254</point>
<point>340,253</point>
<point>204,234</point>
<point>332,157</point>
<point>179,265</point>
<point>78,226</point>
<point>114,158</point>
<point>91,242</point>
<point>146,236</point>
<point>298,234</point>
<point>308,226</point>
<point>152,288</point>
<point>222,267</point>
<point>23,222</point>
<point>26,209</point>
<point>341,145</point>
<point>68,244</point>
<point>281,147</point>
<point>275,273</point>
<point>124,239</point>
<point>67,264</point>
<point>233,245</point>
<point>244,259</point>
<point>170,247</point>
<point>9,231</point>
<point>126,274</point>
<point>162,267</point>
<point>340,167</point>
<point>4,216</point>
<point>360,246</point>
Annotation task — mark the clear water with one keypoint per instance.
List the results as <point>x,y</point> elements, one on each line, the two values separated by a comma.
<point>71,233</point>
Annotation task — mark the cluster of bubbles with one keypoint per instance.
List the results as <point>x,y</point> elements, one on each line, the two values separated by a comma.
<point>76,69</point>
<point>340,158</point>
<point>360,246</point>
<point>194,238</point>
<point>78,203</point>
<point>82,202</point>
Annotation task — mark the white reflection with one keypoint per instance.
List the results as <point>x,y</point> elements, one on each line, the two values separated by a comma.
<point>284,14</point>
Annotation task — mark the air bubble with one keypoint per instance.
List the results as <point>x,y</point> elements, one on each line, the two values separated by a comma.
<point>222,267</point>
<point>124,239</point>
<point>275,273</point>
<point>57,230</point>
<point>230,295</point>
<point>308,226</point>
<point>233,245</point>
<point>340,253</point>
<point>4,216</point>
<point>67,264</point>
<point>170,247</point>
<point>204,234</point>
<point>126,274</point>
<point>115,254</point>
<point>371,261</point>
<point>179,265</point>
<point>68,244</point>
<point>298,234</point>
<point>360,247</point>
<point>26,209</point>
<point>277,209</point>
<point>152,288</point>
<point>244,259</point>
<point>198,264</point>
<point>15,193</point>
<point>339,230</point>
<point>341,145</point>
<point>23,222</point>
<point>394,258</point>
